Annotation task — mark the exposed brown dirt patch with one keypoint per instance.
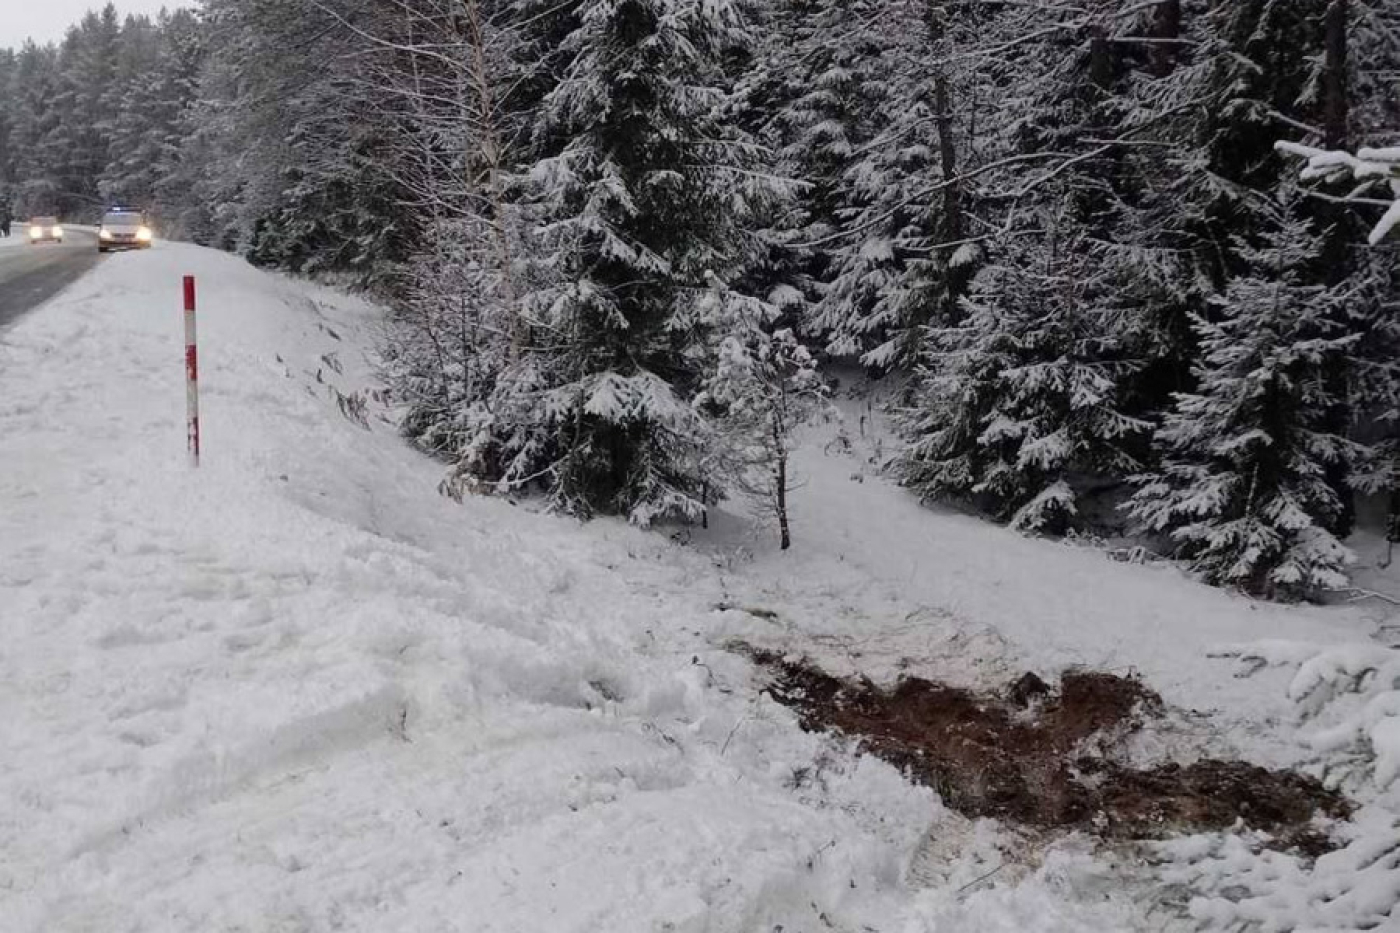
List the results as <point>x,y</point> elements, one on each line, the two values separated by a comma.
<point>1042,756</point>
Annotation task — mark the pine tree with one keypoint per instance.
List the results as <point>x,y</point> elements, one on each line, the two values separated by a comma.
<point>642,191</point>
<point>9,91</point>
<point>1375,378</point>
<point>1243,489</point>
<point>301,151</point>
<point>32,115</point>
<point>1148,218</point>
<point>896,256</point>
<point>160,64</point>
<point>1019,403</point>
<point>821,78</point>
<point>1029,404</point>
<point>84,110</point>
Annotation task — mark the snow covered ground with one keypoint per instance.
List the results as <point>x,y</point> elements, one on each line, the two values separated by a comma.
<point>926,591</point>
<point>297,689</point>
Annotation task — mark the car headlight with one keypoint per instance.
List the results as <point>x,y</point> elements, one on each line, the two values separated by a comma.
<point>104,233</point>
<point>144,234</point>
<point>58,231</point>
<point>36,232</point>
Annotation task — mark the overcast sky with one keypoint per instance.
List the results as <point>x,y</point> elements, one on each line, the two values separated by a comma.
<point>47,20</point>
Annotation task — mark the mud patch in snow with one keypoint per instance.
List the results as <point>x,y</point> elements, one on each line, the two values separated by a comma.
<point>1051,757</point>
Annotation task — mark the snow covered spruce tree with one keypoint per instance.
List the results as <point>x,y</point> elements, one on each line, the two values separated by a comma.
<point>99,118</point>
<point>1023,408</point>
<point>643,193</point>
<point>765,385</point>
<point>84,109</point>
<point>302,151</point>
<point>1020,401</point>
<point>161,70</point>
<point>1262,70</point>
<point>1243,491</point>
<point>28,105</point>
<point>833,61</point>
<point>1375,360</point>
<point>891,127</point>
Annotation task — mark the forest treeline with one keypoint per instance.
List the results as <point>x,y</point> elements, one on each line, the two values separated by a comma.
<point>621,238</point>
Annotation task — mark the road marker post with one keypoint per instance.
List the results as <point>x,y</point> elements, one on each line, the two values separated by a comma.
<point>191,375</point>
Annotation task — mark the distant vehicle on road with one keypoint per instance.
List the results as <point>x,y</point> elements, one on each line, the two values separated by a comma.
<point>124,228</point>
<point>45,230</point>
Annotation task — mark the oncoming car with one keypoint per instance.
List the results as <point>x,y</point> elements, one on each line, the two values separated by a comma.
<point>124,228</point>
<point>45,230</point>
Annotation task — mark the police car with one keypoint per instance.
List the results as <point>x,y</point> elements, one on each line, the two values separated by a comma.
<point>124,228</point>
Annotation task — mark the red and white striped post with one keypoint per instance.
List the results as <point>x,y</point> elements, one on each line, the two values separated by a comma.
<point>191,374</point>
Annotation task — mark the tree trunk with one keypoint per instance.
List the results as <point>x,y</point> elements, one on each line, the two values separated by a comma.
<point>1392,528</point>
<point>1338,256</point>
<point>780,481</point>
<point>1100,60</point>
<point>489,150</point>
<point>950,220</point>
<point>1335,108</point>
<point>1166,28</point>
<point>784,531</point>
<point>948,159</point>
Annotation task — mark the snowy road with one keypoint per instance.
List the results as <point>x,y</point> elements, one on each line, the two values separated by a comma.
<point>31,275</point>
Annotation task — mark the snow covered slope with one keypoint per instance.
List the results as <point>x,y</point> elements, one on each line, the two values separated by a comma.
<point>879,587</point>
<point>928,591</point>
<point>297,689</point>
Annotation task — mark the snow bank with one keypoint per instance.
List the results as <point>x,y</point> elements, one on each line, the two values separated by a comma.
<point>1348,697</point>
<point>297,689</point>
<point>1237,885</point>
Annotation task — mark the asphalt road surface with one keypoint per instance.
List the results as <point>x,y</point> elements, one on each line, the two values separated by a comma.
<point>31,274</point>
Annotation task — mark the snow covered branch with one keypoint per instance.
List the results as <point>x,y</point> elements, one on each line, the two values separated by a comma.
<point>1366,165</point>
